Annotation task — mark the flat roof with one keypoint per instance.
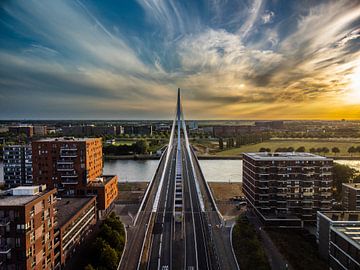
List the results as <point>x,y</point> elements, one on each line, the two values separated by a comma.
<point>68,206</point>
<point>340,216</point>
<point>66,139</point>
<point>285,156</point>
<point>350,233</point>
<point>352,185</point>
<point>100,181</point>
<point>19,200</point>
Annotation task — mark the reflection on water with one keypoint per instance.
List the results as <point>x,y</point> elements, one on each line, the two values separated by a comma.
<point>214,170</point>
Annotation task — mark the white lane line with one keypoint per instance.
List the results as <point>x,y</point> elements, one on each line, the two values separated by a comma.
<point>163,214</point>
<point>192,213</point>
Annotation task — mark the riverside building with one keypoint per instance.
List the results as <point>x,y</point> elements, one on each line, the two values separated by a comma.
<point>17,165</point>
<point>74,167</point>
<point>287,189</point>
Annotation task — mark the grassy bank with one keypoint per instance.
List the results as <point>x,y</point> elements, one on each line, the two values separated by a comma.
<point>247,246</point>
<point>299,248</point>
<point>308,144</point>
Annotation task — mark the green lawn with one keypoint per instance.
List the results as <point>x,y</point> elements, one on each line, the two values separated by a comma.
<point>274,144</point>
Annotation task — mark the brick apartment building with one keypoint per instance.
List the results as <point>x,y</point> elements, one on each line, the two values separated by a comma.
<point>74,167</point>
<point>351,196</point>
<point>287,189</point>
<point>27,221</point>
<point>76,218</point>
<point>67,163</point>
<point>338,237</point>
<point>17,165</point>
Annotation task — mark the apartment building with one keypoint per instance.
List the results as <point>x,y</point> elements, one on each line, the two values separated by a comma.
<point>351,196</point>
<point>76,217</point>
<point>27,220</point>
<point>17,165</point>
<point>67,163</point>
<point>287,189</point>
<point>74,167</point>
<point>22,129</point>
<point>338,236</point>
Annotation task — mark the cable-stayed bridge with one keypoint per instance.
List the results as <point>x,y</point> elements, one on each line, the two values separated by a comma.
<point>178,225</point>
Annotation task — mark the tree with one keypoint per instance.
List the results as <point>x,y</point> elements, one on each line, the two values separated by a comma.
<point>351,150</point>
<point>341,174</point>
<point>335,150</point>
<point>108,257</point>
<point>312,150</point>
<point>141,147</point>
<point>300,149</point>
<point>89,267</point>
<point>290,149</point>
<point>221,143</point>
<point>325,150</point>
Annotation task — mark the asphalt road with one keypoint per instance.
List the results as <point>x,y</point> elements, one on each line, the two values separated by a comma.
<point>199,242</point>
<point>136,234</point>
<point>162,234</point>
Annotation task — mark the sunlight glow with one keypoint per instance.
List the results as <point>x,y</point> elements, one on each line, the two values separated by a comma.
<point>354,94</point>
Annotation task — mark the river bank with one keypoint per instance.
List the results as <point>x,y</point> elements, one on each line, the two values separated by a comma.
<point>208,157</point>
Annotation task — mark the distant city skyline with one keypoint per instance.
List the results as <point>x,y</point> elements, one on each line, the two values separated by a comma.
<point>232,59</point>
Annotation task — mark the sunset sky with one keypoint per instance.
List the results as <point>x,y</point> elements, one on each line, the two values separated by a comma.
<point>233,59</point>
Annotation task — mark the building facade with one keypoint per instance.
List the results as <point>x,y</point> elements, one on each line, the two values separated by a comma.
<point>67,163</point>
<point>74,167</point>
<point>287,189</point>
<point>338,237</point>
<point>17,165</point>
<point>27,220</point>
<point>18,130</point>
<point>351,196</point>
<point>76,217</point>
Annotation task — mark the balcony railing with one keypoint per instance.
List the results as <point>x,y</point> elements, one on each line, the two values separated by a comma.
<point>4,249</point>
<point>4,221</point>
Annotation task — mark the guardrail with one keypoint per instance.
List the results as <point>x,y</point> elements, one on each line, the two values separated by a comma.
<point>149,188</point>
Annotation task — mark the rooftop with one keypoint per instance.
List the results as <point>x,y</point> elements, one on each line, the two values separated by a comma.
<point>66,139</point>
<point>341,216</point>
<point>352,185</point>
<point>285,156</point>
<point>68,207</point>
<point>100,181</point>
<point>22,196</point>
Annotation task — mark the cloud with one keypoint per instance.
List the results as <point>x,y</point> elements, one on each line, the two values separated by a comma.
<point>232,59</point>
<point>267,17</point>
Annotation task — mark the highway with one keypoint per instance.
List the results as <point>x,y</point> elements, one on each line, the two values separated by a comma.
<point>178,225</point>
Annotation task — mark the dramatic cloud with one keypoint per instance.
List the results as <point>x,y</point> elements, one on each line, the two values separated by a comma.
<point>234,59</point>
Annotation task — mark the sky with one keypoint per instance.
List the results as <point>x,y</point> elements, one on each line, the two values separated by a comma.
<point>233,59</point>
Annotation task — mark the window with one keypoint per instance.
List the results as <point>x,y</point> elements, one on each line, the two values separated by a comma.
<point>17,242</point>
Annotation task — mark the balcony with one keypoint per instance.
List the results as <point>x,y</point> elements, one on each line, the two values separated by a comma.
<point>64,161</point>
<point>69,182</point>
<point>4,248</point>
<point>69,175</point>
<point>65,167</point>
<point>4,221</point>
<point>68,155</point>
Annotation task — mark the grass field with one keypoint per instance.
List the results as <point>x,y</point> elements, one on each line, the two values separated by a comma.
<point>274,144</point>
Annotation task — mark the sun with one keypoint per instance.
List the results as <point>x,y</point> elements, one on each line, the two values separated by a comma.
<point>354,91</point>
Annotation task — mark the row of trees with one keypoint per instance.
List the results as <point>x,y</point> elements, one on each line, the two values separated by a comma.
<point>139,147</point>
<point>320,150</point>
<point>243,140</point>
<point>248,248</point>
<point>105,252</point>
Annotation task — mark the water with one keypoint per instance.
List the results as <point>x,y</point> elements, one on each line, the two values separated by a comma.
<point>214,170</point>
